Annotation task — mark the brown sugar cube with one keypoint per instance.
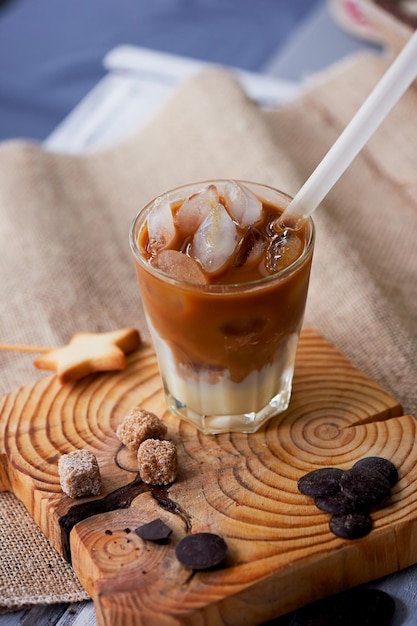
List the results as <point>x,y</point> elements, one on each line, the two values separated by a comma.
<point>157,461</point>
<point>138,426</point>
<point>79,474</point>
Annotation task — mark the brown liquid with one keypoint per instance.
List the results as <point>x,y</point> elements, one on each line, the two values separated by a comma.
<point>237,329</point>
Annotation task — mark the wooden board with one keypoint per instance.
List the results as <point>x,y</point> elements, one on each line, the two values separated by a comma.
<point>244,487</point>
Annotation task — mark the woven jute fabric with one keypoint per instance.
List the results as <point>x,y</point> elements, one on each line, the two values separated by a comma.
<point>66,264</point>
<point>31,572</point>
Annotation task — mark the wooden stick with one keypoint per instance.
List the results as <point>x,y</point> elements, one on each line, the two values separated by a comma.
<point>11,347</point>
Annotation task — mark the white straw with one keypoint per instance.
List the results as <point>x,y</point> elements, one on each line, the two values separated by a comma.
<point>373,111</point>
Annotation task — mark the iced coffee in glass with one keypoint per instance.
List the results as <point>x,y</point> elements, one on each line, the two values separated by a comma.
<point>224,290</point>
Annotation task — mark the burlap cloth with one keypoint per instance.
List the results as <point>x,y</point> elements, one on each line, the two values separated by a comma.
<point>66,264</point>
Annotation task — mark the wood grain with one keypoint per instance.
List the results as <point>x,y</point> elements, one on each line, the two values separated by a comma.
<point>244,487</point>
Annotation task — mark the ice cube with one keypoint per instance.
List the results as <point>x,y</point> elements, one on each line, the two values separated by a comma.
<point>195,209</point>
<point>242,204</point>
<point>251,248</point>
<point>215,241</point>
<point>180,266</point>
<point>282,251</point>
<point>161,228</point>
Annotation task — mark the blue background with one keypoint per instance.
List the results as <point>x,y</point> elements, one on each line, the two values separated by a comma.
<point>51,51</point>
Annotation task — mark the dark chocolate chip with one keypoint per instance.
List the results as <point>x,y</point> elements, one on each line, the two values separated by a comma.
<point>201,550</point>
<point>381,465</point>
<point>339,504</point>
<point>351,525</point>
<point>365,486</point>
<point>156,530</point>
<point>321,482</point>
<point>358,607</point>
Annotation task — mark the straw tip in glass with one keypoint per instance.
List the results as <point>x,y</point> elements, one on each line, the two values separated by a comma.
<point>288,222</point>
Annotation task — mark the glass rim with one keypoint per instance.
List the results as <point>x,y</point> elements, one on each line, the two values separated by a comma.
<point>142,214</point>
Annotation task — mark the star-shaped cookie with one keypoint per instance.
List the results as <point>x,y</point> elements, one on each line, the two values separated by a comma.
<point>90,352</point>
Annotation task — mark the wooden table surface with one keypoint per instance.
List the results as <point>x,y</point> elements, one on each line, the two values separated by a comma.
<point>402,586</point>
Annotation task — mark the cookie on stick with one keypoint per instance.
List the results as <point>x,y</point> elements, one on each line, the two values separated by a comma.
<point>86,353</point>
<point>90,352</point>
